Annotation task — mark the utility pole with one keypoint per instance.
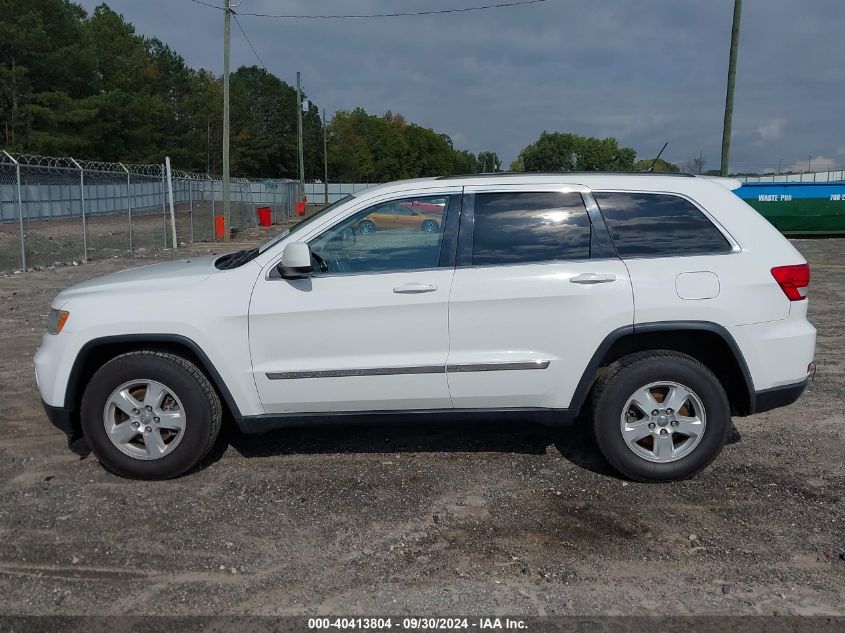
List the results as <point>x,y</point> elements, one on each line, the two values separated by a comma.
<point>325,159</point>
<point>780,165</point>
<point>729,95</point>
<point>227,206</point>
<point>700,161</point>
<point>809,163</point>
<point>299,135</point>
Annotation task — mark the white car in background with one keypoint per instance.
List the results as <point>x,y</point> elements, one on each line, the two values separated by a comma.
<point>663,304</point>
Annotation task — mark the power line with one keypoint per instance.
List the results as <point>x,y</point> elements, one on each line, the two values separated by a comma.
<point>208,4</point>
<point>501,5</point>
<point>246,37</point>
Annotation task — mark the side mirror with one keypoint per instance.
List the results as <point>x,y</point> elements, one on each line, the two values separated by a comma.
<point>296,261</point>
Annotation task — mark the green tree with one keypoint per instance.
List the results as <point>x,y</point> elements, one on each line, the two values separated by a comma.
<point>92,87</point>
<point>464,162</point>
<point>128,111</point>
<point>349,156</point>
<point>45,75</point>
<point>180,95</point>
<point>488,162</point>
<point>649,164</point>
<point>369,148</point>
<point>427,154</point>
<point>263,124</point>
<point>563,151</point>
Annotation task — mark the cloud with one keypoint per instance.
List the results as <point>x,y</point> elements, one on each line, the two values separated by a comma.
<point>817,163</point>
<point>646,72</point>
<point>772,130</point>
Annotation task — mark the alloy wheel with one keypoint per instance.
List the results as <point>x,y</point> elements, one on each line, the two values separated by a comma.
<point>144,419</point>
<point>663,421</point>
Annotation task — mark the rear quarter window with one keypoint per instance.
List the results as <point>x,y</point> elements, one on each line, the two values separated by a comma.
<point>658,225</point>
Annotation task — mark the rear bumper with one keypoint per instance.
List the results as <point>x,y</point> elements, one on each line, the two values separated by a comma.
<point>61,418</point>
<point>769,399</point>
<point>778,353</point>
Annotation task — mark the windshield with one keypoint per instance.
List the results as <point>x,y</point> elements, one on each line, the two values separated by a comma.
<point>303,223</point>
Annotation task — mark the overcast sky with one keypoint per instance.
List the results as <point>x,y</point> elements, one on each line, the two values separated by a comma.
<point>644,71</point>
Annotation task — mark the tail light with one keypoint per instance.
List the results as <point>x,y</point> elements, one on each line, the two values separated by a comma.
<point>793,280</point>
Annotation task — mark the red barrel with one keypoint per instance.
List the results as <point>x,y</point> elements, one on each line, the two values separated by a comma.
<point>300,208</point>
<point>219,226</point>
<point>265,216</point>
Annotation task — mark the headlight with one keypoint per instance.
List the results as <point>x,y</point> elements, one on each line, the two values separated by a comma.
<point>57,320</point>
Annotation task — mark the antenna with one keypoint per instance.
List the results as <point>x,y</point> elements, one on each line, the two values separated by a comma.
<point>657,158</point>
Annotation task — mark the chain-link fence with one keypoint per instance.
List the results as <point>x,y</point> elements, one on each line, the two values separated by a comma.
<point>834,175</point>
<point>62,210</point>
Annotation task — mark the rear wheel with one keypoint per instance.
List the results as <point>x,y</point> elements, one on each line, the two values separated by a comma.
<point>660,416</point>
<point>150,415</point>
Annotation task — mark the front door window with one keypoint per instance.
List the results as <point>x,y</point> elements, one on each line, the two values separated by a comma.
<point>389,236</point>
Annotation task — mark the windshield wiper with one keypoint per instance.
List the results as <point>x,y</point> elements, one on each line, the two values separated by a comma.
<point>236,259</point>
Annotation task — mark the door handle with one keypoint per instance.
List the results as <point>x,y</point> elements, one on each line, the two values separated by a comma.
<point>593,278</point>
<point>414,288</point>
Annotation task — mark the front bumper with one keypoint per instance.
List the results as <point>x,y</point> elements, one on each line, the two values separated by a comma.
<point>62,419</point>
<point>53,361</point>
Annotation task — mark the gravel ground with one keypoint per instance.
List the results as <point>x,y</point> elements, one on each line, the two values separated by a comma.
<point>425,519</point>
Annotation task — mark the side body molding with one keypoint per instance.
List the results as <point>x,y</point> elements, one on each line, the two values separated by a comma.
<point>263,423</point>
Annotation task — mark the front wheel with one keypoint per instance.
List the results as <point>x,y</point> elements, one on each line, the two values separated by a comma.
<point>660,416</point>
<point>150,415</point>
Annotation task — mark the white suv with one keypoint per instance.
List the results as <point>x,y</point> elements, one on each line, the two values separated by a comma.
<point>660,304</point>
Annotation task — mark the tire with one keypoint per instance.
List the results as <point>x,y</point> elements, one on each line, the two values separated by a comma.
<point>366,227</point>
<point>188,406</point>
<point>430,226</point>
<point>626,383</point>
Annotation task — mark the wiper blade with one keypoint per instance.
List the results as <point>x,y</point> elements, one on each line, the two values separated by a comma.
<point>236,259</point>
<point>243,256</point>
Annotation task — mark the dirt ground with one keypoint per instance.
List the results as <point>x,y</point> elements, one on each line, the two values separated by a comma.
<point>424,519</point>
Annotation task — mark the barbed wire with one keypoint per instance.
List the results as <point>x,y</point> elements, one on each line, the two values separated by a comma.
<point>35,162</point>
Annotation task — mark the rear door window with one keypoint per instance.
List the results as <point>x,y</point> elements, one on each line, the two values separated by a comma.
<point>522,227</point>
<point>658,225</point>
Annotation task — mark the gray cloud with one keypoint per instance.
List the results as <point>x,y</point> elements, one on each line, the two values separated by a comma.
<point>646,72</point>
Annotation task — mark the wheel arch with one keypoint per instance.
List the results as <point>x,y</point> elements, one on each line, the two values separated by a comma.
<point>96,352</point>
<point>707,342</point>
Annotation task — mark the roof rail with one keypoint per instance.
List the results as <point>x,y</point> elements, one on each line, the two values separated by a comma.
<point>566,173</point>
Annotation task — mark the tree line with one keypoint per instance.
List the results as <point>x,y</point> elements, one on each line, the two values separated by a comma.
<point>90,86</point>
